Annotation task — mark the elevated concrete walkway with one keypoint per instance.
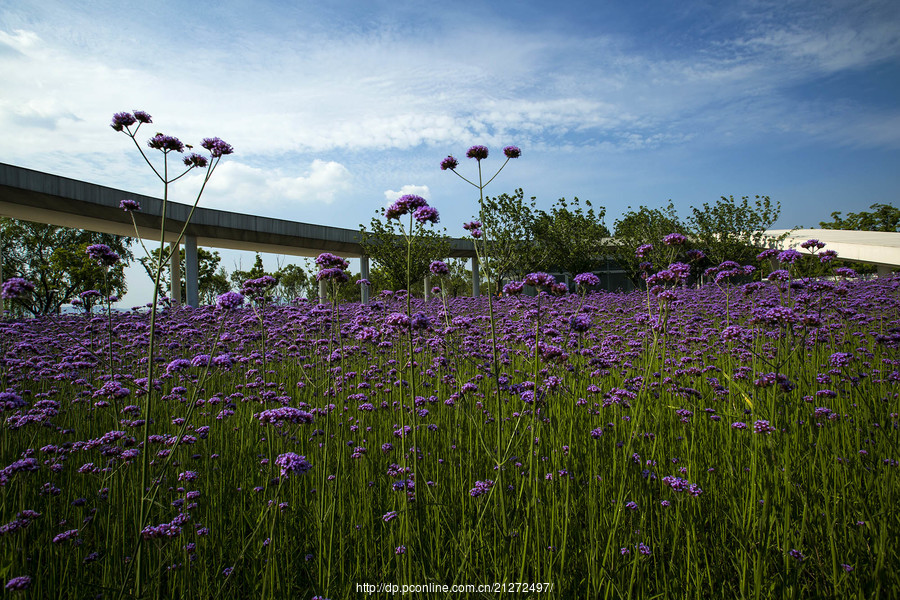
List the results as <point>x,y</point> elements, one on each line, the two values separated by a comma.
<point>878,248</point>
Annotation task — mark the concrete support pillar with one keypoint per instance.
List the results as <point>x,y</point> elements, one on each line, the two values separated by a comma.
<point>191,271</point>
<point>427,288</point>
<point>175,274</point>
<point>364,273</point>
<point>323,291</point>
<point>476,278</point>
<point>883,270</point>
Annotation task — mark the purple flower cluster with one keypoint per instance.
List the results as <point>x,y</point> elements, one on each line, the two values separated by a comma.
<point>275,416</point>
<point>332,267</point>
<point>16,287</point>
<point>291,463</point>
<point>481,487</point>
<point>130,205</point>
<point>102,254</point>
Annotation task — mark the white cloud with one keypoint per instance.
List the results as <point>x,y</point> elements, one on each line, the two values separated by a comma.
<point>238,187</point>
<point>418,190</point>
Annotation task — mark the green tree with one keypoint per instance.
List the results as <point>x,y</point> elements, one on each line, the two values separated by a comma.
<point>509,219</point>
<point>732,230</point>
<point>212,280</point>
<point>884,217</point>
<point>238,276</point>
<point>293,281</point>
<point>385,244</point>
<point>644,226</point>
<point>568,240</point>
<point>55,260</point>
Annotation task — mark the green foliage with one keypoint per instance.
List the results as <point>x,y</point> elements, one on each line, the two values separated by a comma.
<point>644,226</point>
<point>508,222</point>
<point>884,217</point>
<point>238,276</point>
<point>293,281</point>
<point>385,243</point>
<point>568,240</point>
<point>212,279</point>
<point>729,230</point>
<point>54,259</point>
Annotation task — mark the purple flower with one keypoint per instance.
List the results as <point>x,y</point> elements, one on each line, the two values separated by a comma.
<point>840,359</point>
<point>292,463</point>
<point>334,273</point>
<point>477,152</point>
<point>587,280</point>
<point>16,287</point>
<point>142,117</point>
<point>439,267</point>
<point>597,433</point>
<point>540,280</point>
<point>766,254</point>
<point>674,239</point>
<point>513,288</point>
<point>512,152</point>
<point>195,160</point>
<point>122,120</point>
<point>404,205</point>
<point>808,244</point>
<point>284,413</point>
<point>130,205</point>
<point>19,584</point>
<point>644,549</point>
<point>580,323</point>
<point>363,281</point>
<point>103,254</point>
<point>449,163</point>
<point>389,516</point>
<point>166,143</point>
<point>789,256</point>
<point>329,260</point>
<point>763,427</point>
<point>827,256</point>
<point>642,250</point>
<point>400,550</point>
<point>257,288</point>
<point>65,536</point>
<point>217,148</point>
<point>846,272</point>
<point>796,554</point>
<point>426,214</point>
<point>481,487</point>
<point>230,301</point>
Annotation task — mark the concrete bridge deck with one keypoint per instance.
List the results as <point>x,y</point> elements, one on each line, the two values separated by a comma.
<point>46,198</point>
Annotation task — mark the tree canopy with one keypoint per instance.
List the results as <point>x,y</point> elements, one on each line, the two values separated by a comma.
<point>385,243</point>
<point>55,260</point>
<point>732,230</point>
<point>569,238</point>
<point>884,217</point>
<point>643,226</point>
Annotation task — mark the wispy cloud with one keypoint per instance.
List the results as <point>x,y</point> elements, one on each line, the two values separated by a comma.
<point>238,187</point>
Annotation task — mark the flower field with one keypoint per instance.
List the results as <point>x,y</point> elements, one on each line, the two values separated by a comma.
<point>745,446</point>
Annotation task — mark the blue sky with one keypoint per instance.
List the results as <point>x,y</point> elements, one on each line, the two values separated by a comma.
<point>335,108</point>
